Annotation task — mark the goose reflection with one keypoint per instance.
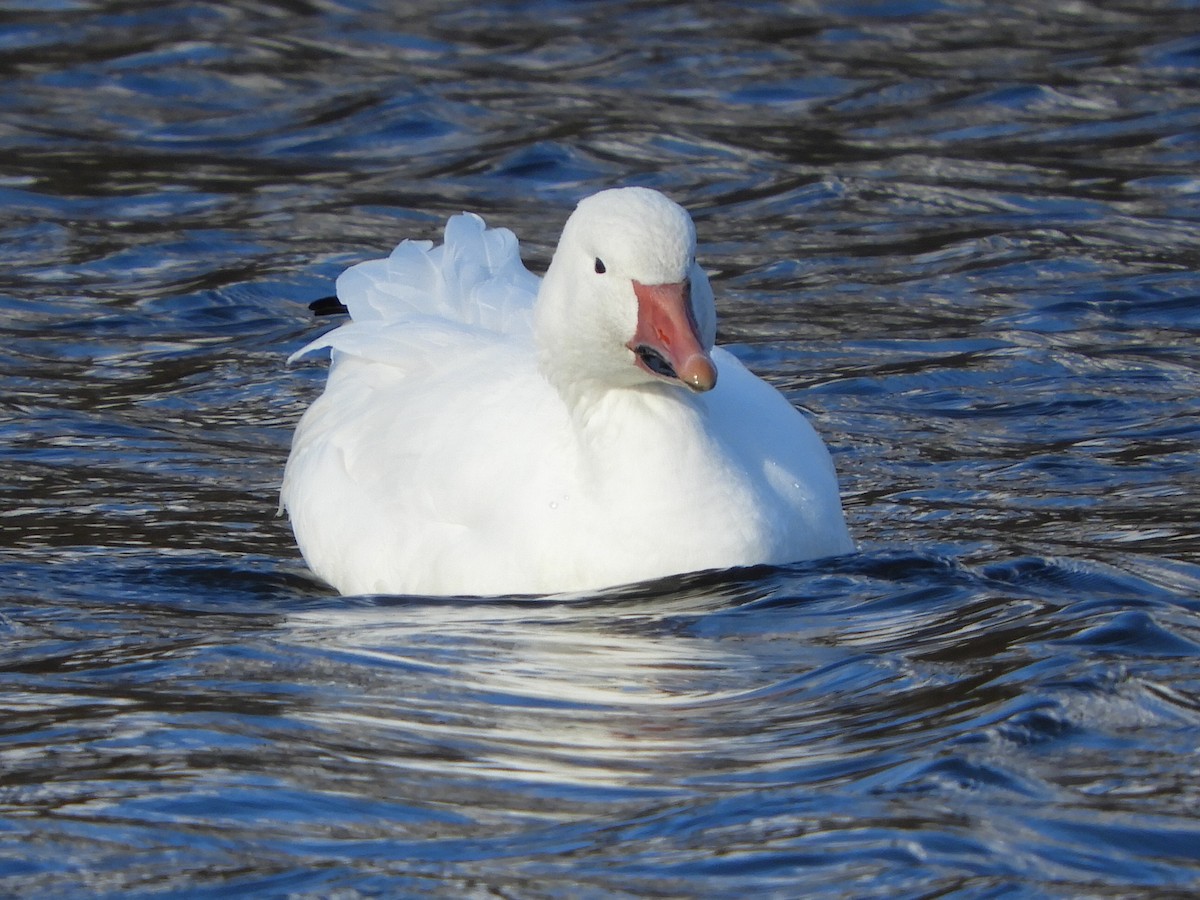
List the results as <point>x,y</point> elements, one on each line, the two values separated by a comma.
<point>574,692</point>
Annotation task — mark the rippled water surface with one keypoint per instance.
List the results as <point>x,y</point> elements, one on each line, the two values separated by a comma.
<point>963,236</point>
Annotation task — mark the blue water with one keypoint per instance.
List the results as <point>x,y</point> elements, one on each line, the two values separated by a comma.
<point>963,237</point>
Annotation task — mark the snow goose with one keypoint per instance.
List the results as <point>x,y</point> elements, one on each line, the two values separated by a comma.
<point>484,433</point>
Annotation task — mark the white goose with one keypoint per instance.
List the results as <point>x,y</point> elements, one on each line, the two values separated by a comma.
<point>480,434</point>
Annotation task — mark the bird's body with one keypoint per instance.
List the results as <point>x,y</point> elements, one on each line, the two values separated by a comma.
<point>479,435</point>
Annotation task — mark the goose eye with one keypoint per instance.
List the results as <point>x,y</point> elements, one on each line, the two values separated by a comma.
<point>600,269</point>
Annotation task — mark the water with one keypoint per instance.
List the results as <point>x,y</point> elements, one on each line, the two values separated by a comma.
<point>963,236</point>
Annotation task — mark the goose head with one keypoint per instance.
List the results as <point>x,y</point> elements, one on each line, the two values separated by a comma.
<point>624,303</point>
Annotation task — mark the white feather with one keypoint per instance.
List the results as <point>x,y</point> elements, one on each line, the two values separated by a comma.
<point>464,445</point>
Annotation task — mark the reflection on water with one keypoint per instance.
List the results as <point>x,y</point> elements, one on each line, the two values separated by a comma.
<point>526,690</point>
<point>963,239</point>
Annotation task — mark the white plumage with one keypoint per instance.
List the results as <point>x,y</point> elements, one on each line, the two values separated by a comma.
<point>484,433</point>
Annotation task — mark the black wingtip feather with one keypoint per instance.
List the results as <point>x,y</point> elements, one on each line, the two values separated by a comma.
<point>328,306</point>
